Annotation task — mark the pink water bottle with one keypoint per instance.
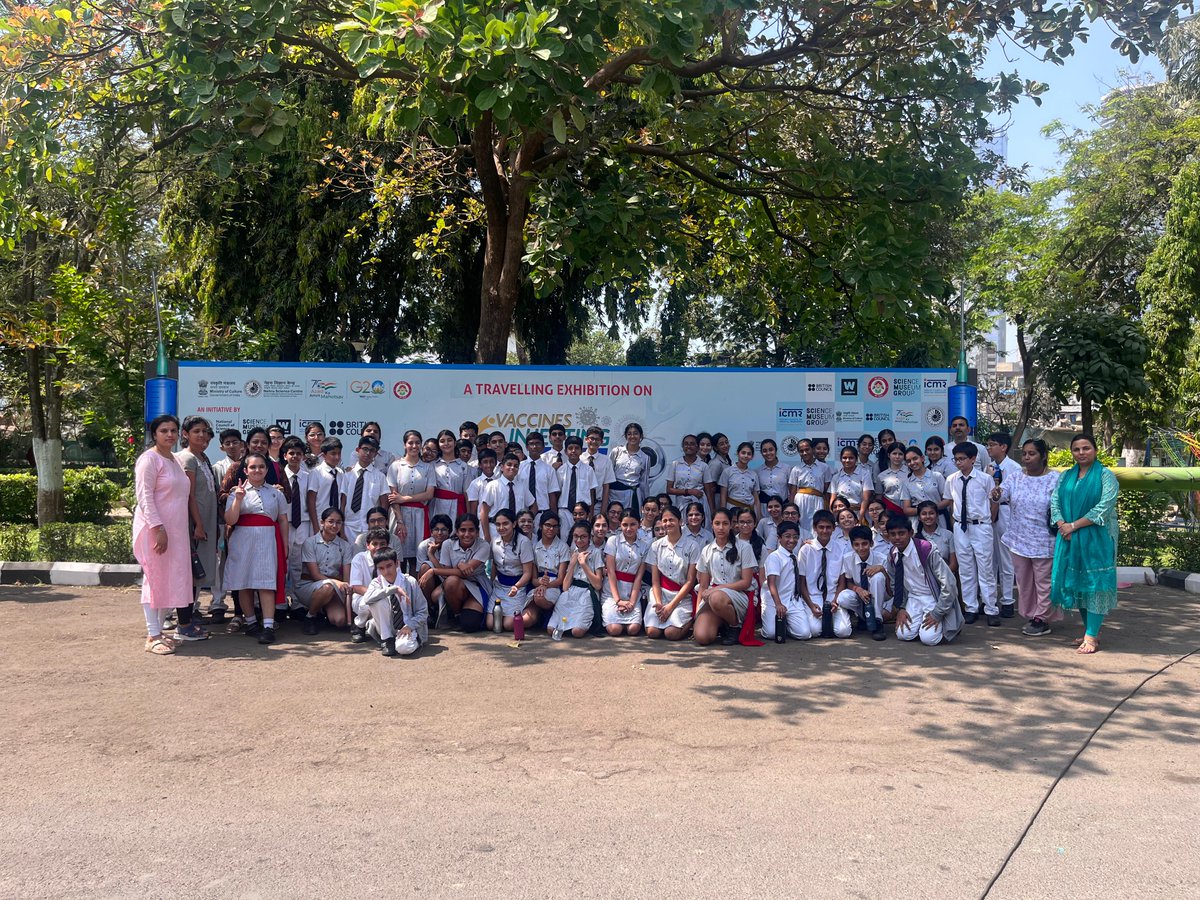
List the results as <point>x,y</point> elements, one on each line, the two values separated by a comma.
<point>519,625</point>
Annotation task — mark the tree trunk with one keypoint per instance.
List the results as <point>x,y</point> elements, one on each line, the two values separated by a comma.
<point>1086,421</point>
<point>45,408</point>
<point>1027,385</point>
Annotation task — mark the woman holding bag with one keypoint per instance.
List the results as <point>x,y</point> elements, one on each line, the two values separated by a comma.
<point>1084,507</point>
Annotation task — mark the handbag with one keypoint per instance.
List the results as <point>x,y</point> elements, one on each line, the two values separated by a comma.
<point>1051,524</point>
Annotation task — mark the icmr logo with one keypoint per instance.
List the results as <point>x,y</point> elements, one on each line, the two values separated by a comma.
<point>402,390</point>
<point>877,387</point>
<point>366,387</point>
<point>253,388</point>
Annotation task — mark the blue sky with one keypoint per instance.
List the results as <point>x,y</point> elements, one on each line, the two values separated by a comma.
<point>1092,72</point>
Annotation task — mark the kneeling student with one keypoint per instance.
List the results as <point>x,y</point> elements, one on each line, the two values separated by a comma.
<point>862,584</point>
<point>922,587</point>
<point>379,614</point>
<point>782,602</point>
<point>820,563</point>
<point>362,571</point>
<point>575,610</point>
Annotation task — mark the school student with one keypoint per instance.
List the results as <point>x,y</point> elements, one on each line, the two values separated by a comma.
<point>646,526</point>
<point>440,527</point>
<point>461,564</point>
<point>512,572</point>
<point>377,517</point>
<point>383,458</point>
<point>694,529</point>
<point>450,476</point>
<point>806,483</point>
<point>365,488</point>
<point>739,483</point>
<point>407,606</point>
<point>719,463</point>
<point>576,480</point>
<point>576,607</point>
<point>768,525</point>
<point>600,464</point>
<point>555,454</point>
<point>935,452</point>
<point>922,587</point>
<point>672,559</point>
<point>930,528</point>
<point>970,489</point>
<point>782,604</point>
<point>469,431</point>
<point>314,437</point>
<point>325,574</point>
<point>924,483</point>
<point>866,460</point>
<point>960,433</point>
<point>362,570</point>
<point>862,582</point>
<point>631,467</point>
<point>772,474</point>
<point>487,474</point>
<point>726,569</point>
<point>820,564</point>
<point>624,566</point>
<point>891,484</point>
<point>327,481</point>
<point>301,513</point>
<point>853,482</point>
<point>411,482</point>
<point>550,557</point>
<point>1002,468</point>
<point>686,475</point>
<point>508,491</point>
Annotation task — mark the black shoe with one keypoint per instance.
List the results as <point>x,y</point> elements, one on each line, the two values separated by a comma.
<point>994,621</point>
<point>1035,628</point>
<point>296,612</point>
<point>357,635</point>
<point>217,616</point>
<point>970,617</point>
<point>1008,610</point>
<point>311,625</point>
<point>266,636</point>
<point>879,634</point>
<point>728,635</point>
<point>252,630</point>
<point>860,623</point>
<point>388,647</point>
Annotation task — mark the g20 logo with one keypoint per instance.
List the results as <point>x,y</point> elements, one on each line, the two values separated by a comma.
<point>877,387</point>
<point>402,390</point>
<point>366,387</point>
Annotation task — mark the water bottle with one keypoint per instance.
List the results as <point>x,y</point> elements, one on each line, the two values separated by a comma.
<point>559,629</point>
<point>997,474</point>
<point>519,625</point>
<point>497,617</point>
<point>827,619</point>
<point>780,629</point>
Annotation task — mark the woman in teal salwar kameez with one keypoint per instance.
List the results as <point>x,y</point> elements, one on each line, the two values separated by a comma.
<point>1084,507</point>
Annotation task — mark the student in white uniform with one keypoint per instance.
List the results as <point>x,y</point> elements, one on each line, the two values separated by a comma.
<point>719,463</point>
<point>440,528</point>
<point>451,476</point>
<point>631,467</point>
<point>512,572</point>
<point>383,458</point>
<point>461,564</point>
<point>377,517</point>
<point>970,491</point>
<point>782,603</point>
<point>411,482</point>
<point>1002,469</point>
<point>772,474</point>
<point>487,474</point>
<point>883,441</point>
<point>362,570</point>
<point>407,607</point>
<point>853,482</point>
<point>865,458</point>
<point>577,605</point>
<point>550,557</point>
<point>624,566</point>
<point>672,560</point>
<point>844,520</point>
<point>820,564</point>
<point>300,511</point>
<point>806,483</point>
<point>768,525</point>
<point>555,455</point>
<point>924,483</point>
<point>327,481</point>
<point>960,432</point>
<point>739,482</point>
<point>694,529</point>
<point>325,572</point>
<point>922,587</point>
<point>686,476</point>
<point>935,453</point>
<point>365,488</point>
<point>862,582</point>
<point>601,465</point>
<point>648,521</point>
<point>891,484</point>
<point>821,452</point>
<point>508,491</point>
<point>469,431</point>
<point>539,476</point>
<point>576,480</point>
<point>726,571</point>
<point>930,528</point>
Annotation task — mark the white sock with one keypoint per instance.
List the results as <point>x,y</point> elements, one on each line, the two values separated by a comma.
<point>251,619</point>
<point>268,623</point>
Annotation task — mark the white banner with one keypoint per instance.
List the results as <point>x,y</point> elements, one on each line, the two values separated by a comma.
<point>745,404</point>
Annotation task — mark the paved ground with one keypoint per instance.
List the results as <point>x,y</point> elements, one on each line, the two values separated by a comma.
<point>601,768</point>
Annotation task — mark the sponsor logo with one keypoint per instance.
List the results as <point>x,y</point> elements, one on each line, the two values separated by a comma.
<point>818,416</point>
<point>253,388</point>
<point>366,388</point>
<point>285,424</point>
<point>849,416</point>
<point>282,388</point>
<point>339,427</point>
<point>820,387</point>
<point>789,412</point>
<point>214,387</point>
<point>529,421</point>
<point>906,387</point>
<point>848,387</point>
<point>790,445</point>
<point>906,417</point>
<point>304,423</point>
<point>401,390</point>
<point>879,418</point>
<point>936,385</point>
<point>877,387</point>
<point>247,424</point>
<point>320,388</point>
<point>846,442</point>
<point>202,387</point>
<point>935,416</point>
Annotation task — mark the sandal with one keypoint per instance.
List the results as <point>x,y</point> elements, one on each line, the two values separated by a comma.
<point>236,624</point>
<point>1088,645</point>
<point>159,646</point>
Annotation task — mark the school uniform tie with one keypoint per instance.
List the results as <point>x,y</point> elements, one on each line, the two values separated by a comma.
<point>512,498</point>
<point>592,462</point>
<point>335,496</point>
<point>899,592</point>
<point>863,581</point>
<point>822,579</point>
<point>356,500</point>
<point>963,509</point>
<point>571,490</point>
<point>295,501</point>
<point>795,576</point>
<point>533,479</point>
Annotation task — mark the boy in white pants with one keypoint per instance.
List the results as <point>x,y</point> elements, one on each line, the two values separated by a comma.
<point>970,493</point>
<point>862,584</point>
<point>378,614</point>
<point>1002,469</point>
<point>782,599</point>
<point>820,563</point>
<point>923,587</point>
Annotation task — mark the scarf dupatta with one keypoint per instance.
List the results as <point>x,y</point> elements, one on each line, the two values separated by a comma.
<point>1084,575</point>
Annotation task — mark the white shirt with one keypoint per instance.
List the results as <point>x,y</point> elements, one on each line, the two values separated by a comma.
<point>773,481</point>
<point>740,484</point>
<point>495,495</point>
<point>713,560</point>
<point>930,486</point>
<point>362,569</point>
<point>510,560</point>
<point>915,584</point>
<point>374,487</point>
<point>602,466</point>
<point>626,559</point>
<point>811,568</point>
<point>586,487</point>
<point>475,488</point>
<point>320,482</point>
<point>851,485</point>
<point>300,489</point>
<point>779,564</point>
<point>548,559</point>
<point>684,476</point>
<point>632,469</point>
<point>979,498</point>
<point>673,561</point>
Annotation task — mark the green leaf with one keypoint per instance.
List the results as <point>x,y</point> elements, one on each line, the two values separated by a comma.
<point>560,127</point>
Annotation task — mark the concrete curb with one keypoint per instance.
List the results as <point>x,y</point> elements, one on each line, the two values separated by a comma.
<point>1137,575</point>
<point>72,574</point>
<point>1183,581</point>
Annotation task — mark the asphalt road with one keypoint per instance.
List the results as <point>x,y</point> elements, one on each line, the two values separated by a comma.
<point>596,768</point>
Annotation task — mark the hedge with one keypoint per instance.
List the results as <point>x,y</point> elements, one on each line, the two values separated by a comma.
<point>67,543</point>
<point>89,496</point>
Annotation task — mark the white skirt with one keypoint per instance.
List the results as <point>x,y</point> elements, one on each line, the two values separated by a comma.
<point>575,605</point>
<point>680,618</point>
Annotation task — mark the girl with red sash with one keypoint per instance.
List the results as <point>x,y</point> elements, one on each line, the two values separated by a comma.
<point>450,476</point>
<point>891,484</point>
<point>576,605</point>
<point>412,483</point>
<point>726,571</point>
<point>624,563</point>
<point>747,533</point>
<point>257,548</point>
<point>672,560</point>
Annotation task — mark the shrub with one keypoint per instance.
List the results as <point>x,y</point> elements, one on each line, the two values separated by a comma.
<point>1182,551</point>
<point>88,496</point>
<point>1140,542</point>
<point>16,543</point>
<point>85,543</point>
<point>18,499</point>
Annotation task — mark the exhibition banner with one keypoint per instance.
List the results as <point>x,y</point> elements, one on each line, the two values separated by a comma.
<point>745,404</point>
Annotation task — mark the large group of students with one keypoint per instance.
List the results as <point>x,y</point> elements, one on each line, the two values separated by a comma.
<point>473,532</point>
